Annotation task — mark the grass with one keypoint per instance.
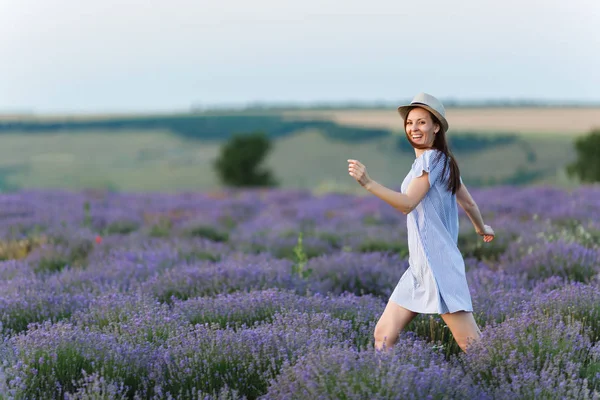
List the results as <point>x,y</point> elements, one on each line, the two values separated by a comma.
<point>555,121</point>
<point>125,160</point>
<point>310,160</point>
<point>157,160</point>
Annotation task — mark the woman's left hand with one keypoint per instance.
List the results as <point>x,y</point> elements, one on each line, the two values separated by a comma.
<point>359,172</point>
<point>487,233</point>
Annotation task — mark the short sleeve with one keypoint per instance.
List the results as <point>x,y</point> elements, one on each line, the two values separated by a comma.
<point>428,162</point>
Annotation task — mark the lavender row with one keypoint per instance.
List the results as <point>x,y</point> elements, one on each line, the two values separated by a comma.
<point>171,270</point>
<point>299,354</point>
<point>213,296</point>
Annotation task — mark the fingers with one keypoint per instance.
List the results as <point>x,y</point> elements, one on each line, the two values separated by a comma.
<point>355,174</point>
<point>488,238</point>
<point>355,168</point>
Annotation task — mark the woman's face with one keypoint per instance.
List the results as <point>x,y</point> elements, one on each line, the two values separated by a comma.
<point>420,127</point>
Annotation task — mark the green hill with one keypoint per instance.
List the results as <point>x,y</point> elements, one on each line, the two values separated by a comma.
<point>159,160</point>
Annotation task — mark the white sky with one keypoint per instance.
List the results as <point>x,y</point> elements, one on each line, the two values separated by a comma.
<point>146,55</point>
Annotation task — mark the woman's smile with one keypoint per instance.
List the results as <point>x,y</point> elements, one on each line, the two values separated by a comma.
<point>420,127</point>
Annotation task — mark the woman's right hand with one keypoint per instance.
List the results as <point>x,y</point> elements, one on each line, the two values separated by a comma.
<point>487,233</point>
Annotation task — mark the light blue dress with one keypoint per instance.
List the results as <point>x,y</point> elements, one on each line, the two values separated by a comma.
<point>435,281</point>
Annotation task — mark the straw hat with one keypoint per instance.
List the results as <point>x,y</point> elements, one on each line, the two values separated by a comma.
<point>429,103</point>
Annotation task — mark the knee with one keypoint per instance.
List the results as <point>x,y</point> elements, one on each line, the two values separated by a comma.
<point>465,342</point>
<point>382,334</point>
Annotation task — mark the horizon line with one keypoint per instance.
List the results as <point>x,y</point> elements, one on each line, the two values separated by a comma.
<point>307,105</point>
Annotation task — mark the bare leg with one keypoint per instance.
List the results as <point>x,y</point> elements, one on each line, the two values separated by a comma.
<point>393,320</point>
<point>463,327</point>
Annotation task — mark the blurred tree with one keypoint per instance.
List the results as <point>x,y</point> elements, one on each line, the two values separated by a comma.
<point>587,165</point>
<point>239,160</point>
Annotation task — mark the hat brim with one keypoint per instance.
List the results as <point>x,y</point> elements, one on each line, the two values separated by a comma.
<point>403,111</point>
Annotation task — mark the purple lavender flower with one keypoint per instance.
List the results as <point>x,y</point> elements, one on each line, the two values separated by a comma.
<point>412,370</point>
<point>527,356</point>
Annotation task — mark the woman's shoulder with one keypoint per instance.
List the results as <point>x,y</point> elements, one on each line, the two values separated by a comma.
<point>431,161</point>
<point>429,155</point>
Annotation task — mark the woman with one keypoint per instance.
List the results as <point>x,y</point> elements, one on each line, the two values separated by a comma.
<point>435,281</point>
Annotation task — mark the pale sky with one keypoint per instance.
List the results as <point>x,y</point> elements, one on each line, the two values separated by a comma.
<point>150,55</point>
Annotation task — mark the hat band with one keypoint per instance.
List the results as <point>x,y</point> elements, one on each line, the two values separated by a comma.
<point>424,104</point>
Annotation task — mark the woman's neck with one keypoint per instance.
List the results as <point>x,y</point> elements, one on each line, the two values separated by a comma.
<point>419,152</point>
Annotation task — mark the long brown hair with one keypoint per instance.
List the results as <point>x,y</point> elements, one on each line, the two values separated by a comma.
<point>440,143</point>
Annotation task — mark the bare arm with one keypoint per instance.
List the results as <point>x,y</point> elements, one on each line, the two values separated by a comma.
<point>464,199</point>
<point>417,188</point>
<point>416,191</point>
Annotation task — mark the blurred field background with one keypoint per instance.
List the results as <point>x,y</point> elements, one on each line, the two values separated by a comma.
<point>128,270</point>
<point>175,152</point>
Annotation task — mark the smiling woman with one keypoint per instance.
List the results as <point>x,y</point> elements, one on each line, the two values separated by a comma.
<point>426,128</point>
<point>435,281</point>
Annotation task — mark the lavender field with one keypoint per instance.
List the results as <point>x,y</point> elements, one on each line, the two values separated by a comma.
<point>274,294</point>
